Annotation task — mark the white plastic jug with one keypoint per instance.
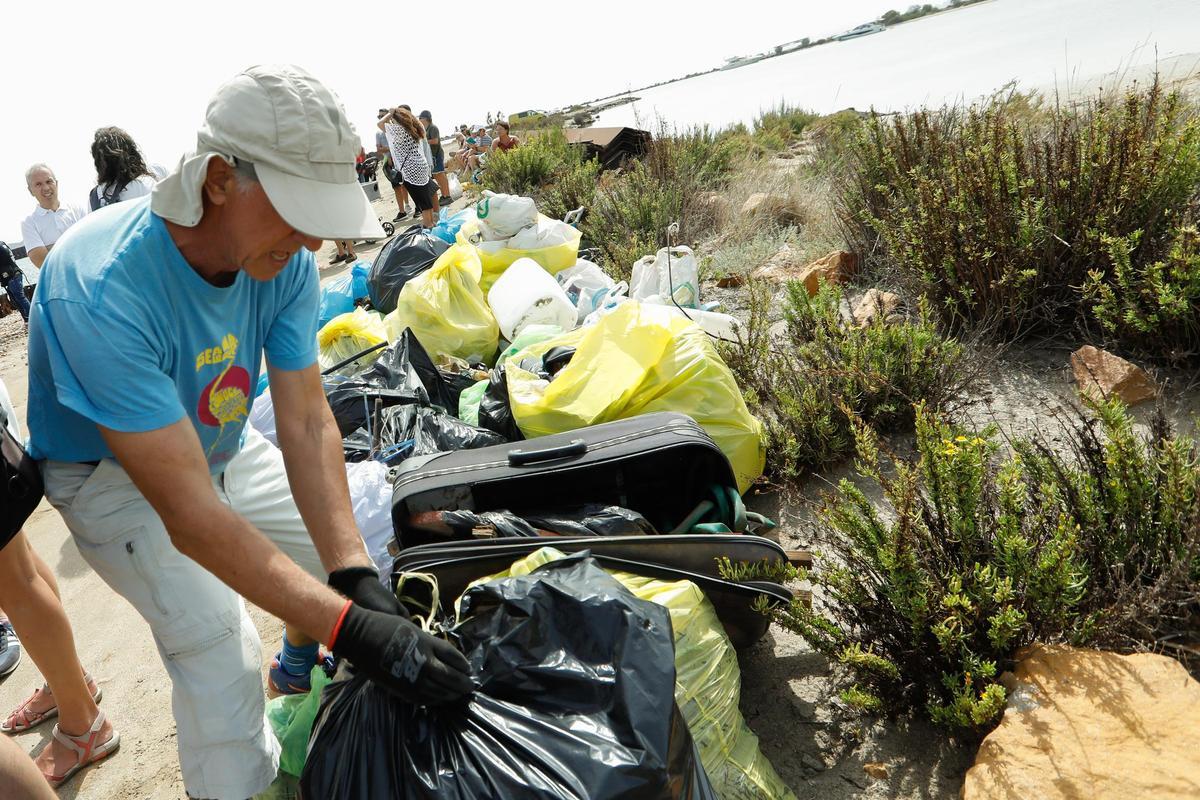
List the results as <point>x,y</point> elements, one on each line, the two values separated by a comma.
<point>714,323</point>
<point>528,295</point>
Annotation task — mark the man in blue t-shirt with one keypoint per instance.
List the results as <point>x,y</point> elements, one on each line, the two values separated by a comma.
<point>150,323</point>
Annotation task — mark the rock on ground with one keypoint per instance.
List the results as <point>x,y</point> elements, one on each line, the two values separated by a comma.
<point>1095,725</point>
<point>1100,374</point>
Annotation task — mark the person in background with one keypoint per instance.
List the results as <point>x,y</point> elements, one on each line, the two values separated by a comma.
<point>390,171</point>
<point>479,150</point>
<point>50,219</point>
<point>408,144</point>
<point>345,251</point>
<point>121,171</point>
<point>29,593</point>
<point>503,142</point>
<point>434,138</point>
<point>14,283</point>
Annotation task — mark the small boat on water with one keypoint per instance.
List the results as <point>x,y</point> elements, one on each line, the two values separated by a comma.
<point>862,30</point>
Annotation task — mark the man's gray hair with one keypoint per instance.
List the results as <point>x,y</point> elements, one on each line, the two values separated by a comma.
<point>245,172</point>
<point>38,166</point>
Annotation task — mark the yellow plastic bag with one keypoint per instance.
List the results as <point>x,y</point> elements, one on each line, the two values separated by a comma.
<point>446,309</point>
<point>495,257</point>
<point>638,359</point>
<point>347,335</point>
<point>708,684</point>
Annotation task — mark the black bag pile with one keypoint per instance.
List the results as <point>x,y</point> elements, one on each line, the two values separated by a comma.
<point>576,702</point>
<point>401,406</point>
<point>403,258</point>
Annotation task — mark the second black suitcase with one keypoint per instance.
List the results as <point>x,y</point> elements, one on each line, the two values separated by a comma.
<point>660,465</point>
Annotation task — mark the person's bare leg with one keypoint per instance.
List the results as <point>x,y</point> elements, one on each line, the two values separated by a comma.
<point>443,183</point>
<point>427,218</point>
<point>19,778</point>
<point>37,615</point>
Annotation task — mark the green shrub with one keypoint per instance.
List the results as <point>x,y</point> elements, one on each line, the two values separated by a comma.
<point>629,217</point>
<point>778,128</point>
<point>573,186</point>
<point>1152,304</point>
<point>925,598</point>
<point>526,169</point>
<point>1000,212</point>
<point>809,384</point>
<point>631,210</point>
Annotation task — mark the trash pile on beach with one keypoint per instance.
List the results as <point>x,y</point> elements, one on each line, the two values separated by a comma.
<point>529,441</point>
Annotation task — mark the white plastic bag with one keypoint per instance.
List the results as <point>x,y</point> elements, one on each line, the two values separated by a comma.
<point>546,233</point>
<point>589,288</point>
<point>680,278</point>
<point>501,216</point>
<point>371,500</point>
<point>456,189</point>
<point>262,417</point>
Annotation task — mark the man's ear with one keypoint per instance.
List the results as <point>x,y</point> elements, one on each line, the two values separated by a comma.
<point>219,181</point>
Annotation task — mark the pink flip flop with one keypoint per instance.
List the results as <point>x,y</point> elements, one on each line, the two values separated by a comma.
<point>23,719</point>
<point>87,750</point>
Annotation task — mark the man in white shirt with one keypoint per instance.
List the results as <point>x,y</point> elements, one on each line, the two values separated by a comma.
<point>50,220</point>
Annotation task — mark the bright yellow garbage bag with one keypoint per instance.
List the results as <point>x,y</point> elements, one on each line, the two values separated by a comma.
<point>636,360</point>
<point>708,683</point>
<point>348,334</point>
<point>494,257</point>
<point>447,310</point>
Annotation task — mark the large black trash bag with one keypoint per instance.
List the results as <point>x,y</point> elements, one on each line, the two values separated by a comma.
<point>575,702</point>
<point>402,375</point>
<point>404,257</point>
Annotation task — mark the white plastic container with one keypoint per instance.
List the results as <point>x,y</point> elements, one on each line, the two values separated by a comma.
<point>528,295</point>
<point>714,323</point>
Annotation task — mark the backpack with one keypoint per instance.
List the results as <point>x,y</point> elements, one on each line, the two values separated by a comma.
<point>98,199</point>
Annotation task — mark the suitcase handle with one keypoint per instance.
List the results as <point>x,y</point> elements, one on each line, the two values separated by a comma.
<point>521,458</point>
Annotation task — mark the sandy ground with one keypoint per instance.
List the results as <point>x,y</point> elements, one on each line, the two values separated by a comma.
<point>789,698</point>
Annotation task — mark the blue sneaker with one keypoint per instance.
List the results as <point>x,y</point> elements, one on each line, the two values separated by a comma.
<point>10,649</point>
<point>284,682</point>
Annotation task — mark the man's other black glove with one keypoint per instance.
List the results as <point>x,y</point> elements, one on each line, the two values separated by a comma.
<point>402,658</point>
<point>361,584</point>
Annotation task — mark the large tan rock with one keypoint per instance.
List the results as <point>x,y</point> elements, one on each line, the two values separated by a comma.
<point>1100,374</point>
<point>836,267</point>
<point>1090,725</point>
<point>875,303</point>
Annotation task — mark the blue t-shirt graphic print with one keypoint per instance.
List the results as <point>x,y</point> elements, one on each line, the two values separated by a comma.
<point>125,334</point>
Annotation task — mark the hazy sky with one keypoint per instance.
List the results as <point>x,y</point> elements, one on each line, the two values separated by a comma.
<point>150,67</point>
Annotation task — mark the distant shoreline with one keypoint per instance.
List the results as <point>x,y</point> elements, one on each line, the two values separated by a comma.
<point>587,105</point>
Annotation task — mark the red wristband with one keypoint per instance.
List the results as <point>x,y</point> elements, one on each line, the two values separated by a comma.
<point>337,626</point>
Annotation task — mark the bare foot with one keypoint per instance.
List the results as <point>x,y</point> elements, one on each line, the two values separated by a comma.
<point>56,758</point>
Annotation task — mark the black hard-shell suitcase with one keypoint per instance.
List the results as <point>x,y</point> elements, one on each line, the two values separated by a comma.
<point>659,465</point>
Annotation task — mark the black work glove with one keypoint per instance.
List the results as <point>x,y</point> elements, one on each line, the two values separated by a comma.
<point>402,658</point>
<point>361,584</point>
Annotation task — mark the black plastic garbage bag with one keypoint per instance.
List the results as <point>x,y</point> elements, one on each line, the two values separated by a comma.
<point>495,412</point>
<point>402,375</point>
<point>588,520</point>
<point>575,702</point>
<point>411,430</point>
<point>404,257</point>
